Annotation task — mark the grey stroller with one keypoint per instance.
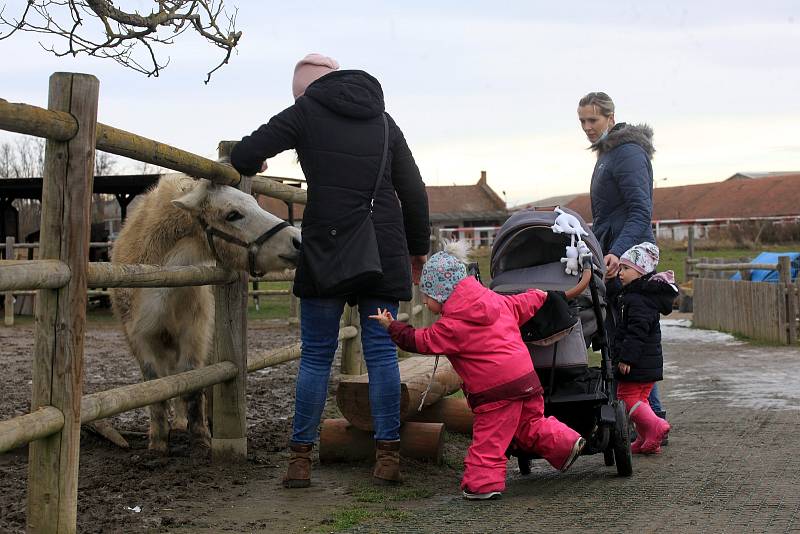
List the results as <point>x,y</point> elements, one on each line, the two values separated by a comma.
<point>527,254</point>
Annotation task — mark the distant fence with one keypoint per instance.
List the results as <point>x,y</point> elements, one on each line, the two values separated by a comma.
<point>759,310</point>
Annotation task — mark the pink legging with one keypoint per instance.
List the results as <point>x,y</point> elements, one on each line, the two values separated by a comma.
<point>522,421</point>
<point>632,392</point>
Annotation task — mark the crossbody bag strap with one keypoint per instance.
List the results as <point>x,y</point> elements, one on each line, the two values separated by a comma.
<point>383,160</point>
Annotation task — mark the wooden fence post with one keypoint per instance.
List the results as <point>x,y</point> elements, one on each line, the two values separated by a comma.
<point>61,313</point>
<point>352,353</point>
<point>294,307</point>
<point>785,273</point>
<point>9,300</point>
<point>228,404</point>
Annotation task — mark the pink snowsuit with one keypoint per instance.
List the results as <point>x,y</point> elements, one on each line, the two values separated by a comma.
<point>479,333</point>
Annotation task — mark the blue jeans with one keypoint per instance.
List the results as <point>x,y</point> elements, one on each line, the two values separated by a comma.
<point>655,400</point>
<point>319,331</point>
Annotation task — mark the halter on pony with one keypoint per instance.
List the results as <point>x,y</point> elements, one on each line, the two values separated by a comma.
<point>252,247</point>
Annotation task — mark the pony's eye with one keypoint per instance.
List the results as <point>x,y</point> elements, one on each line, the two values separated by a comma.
<point>233,216</point>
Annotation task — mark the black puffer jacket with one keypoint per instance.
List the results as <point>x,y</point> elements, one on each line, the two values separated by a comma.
<point>637,340</point>
<point>337,130</point>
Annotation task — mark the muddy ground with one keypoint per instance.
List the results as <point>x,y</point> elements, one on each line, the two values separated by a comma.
<point>132,491</point>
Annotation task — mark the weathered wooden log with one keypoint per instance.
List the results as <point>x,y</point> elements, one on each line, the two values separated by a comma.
<point>61,313</point>
<point>453,412</point>
<point>113,401</point>
<point>43,422</point>
<point>339,441</point>
<point>33,120</point>
<point>280,276</point>
<point>33,274</point>
<point>352,396</point>
<point>61,126</point>
<point>106,274</point>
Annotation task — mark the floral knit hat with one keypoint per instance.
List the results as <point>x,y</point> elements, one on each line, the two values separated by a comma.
<point>443,271</point>
<point>642,258</point>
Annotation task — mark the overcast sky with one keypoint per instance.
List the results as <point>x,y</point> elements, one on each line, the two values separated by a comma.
<point>483,85</point>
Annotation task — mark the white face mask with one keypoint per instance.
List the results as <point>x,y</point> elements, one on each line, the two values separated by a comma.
<point>603,135</point>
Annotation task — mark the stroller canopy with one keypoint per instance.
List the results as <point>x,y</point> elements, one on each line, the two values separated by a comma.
<point>526,239</point>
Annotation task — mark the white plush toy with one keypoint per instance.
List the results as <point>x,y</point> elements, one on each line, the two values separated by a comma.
<point>571,260</point>
<point>567,223</point>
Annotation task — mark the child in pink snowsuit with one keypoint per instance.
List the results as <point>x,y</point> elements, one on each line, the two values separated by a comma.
<point>479,333</point>
<point>636,351</point>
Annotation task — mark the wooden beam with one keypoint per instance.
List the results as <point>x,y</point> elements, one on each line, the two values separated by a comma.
<point>61,314</point>
<point>106,274</point>
<point>339,441</point>
<point>61,126</point>
<point>32,120</point>
<point>33,274</point>
<point>8,303</point>
<point>29,427</point>
<point>352,396</point>
<point>113,401</point>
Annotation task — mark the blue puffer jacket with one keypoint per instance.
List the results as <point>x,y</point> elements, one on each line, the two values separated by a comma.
<point>622,188</point>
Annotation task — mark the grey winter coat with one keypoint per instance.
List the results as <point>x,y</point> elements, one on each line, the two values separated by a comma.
<point>622,188</point>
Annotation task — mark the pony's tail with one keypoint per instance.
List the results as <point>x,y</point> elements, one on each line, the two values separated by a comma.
<point>459,249</point>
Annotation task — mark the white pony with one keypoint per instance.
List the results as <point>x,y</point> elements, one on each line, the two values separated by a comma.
<point>183,221</point>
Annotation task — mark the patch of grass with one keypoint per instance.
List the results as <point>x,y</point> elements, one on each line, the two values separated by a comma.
<point>365,492</point>
<point>344,519</point>
<point>398,516</point>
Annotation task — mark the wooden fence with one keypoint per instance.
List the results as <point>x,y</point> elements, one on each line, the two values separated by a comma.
<point>62,274</point>
<point>10,307</point>
<point>759,310</point>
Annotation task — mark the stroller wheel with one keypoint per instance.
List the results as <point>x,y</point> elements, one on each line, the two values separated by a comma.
<point>622,441</point>
<point>524,465</point>
<point>608,456</point>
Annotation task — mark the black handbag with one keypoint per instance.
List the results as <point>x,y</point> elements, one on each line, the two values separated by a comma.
<point>342,255</point>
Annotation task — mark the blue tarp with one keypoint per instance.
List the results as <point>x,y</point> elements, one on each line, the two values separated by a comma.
<point>763,275</point>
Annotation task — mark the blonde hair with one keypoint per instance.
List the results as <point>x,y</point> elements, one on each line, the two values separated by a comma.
<point>601,101</point>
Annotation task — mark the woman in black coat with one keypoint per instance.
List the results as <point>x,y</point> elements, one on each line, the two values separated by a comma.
<point>338,125</point>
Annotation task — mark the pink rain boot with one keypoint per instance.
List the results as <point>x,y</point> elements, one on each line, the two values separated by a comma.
<point>650,427</point>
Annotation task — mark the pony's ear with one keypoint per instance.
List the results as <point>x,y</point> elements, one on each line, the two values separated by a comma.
<point>192,201</point>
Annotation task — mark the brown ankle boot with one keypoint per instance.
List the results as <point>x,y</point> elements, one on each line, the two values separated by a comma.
<point>387,462</point>
<point>299,473</point>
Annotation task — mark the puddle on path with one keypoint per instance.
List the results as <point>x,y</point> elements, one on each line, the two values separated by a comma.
<point>706,365</point>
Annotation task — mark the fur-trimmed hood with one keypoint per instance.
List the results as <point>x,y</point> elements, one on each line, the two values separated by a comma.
<point>622,133</point>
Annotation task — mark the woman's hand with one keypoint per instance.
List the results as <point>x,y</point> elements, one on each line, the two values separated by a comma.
<point>612,265</point>
<point>624,368</point>
<point>384,317</point>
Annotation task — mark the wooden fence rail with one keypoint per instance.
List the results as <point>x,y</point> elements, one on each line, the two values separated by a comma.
<point>61,126</point>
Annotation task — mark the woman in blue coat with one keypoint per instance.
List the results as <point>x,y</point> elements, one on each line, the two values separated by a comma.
<point>621,190</point>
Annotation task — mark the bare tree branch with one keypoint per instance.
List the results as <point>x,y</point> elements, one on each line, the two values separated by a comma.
<point>101,29</point>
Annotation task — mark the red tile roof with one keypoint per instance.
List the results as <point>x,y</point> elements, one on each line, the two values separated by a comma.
<point>736,197</point>
<point>442,200</point>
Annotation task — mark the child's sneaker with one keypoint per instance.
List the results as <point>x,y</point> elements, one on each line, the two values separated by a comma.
<point>490,495</point>
<point>573,455</point>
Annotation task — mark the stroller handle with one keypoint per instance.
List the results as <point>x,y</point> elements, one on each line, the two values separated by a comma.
<point>583,283</point>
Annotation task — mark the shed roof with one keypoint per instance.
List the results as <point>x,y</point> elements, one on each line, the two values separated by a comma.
<point>773,195</point>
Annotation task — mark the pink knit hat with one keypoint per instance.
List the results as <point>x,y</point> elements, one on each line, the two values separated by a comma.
<point>310,68</point>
